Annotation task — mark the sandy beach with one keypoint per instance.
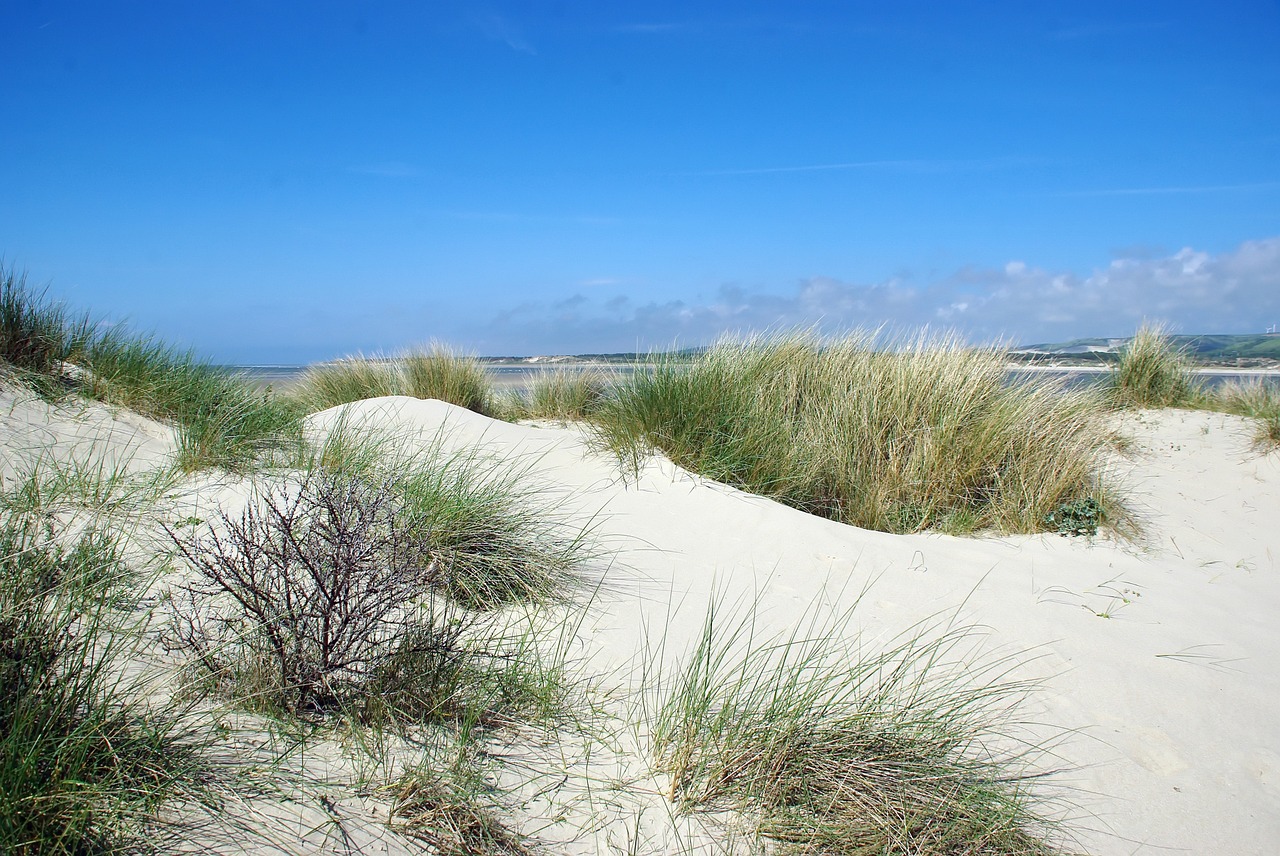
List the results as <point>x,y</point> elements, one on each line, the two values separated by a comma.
<point>1154,661</point>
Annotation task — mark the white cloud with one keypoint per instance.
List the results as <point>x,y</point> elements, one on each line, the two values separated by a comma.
<point>1194,291</point>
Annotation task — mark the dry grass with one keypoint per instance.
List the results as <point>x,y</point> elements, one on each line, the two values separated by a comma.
<point>437,373</point>
<point>568,395</point>
<point>1152,373</point>
<point>826,748</point>
<point>928,434</point>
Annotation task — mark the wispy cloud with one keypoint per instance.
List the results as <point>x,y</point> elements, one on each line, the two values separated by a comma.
<point>1103,29</point>
<point>1195,291</point>
<point>1176,189</point>
<point>503,29</point>
<point>898,164</point>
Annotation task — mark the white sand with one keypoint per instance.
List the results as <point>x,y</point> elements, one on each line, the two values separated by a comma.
<point>1158,660</point>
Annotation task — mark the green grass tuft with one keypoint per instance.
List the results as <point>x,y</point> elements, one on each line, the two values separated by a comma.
<point>444,375</point>
<point>928,435</point>
<point>1152,373</point>
<point>221,419</point>
<point>437,373</point>
<point>37,335</point>
<point>567,395</point>
<point>84,766</point>
<point>1257,399</point>
<point>825,748</point>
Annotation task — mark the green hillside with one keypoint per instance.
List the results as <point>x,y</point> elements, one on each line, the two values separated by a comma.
<point>1208,348</point>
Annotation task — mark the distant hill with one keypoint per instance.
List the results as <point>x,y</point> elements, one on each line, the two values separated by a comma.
<point>1253,349</point>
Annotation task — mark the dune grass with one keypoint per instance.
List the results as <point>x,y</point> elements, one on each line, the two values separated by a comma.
<point>221,420</point>
<point>824,747</point>
<point>487,524</point>
<point>445,802</point>
<point>445,375</point>
<point>926,434</point>
<point>84,765</point>
<point>36,334</point>
<point>566,395</point>
<point>437,373</point>
<point>1258,399</point>
<point>1152,373</point>
<point>386,591</point>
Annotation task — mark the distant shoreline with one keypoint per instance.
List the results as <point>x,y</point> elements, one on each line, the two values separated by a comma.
<point>512,374</point>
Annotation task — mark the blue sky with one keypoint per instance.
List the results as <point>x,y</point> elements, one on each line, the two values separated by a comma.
<point>287,182</point>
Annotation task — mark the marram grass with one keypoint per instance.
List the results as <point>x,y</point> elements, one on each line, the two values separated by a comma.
<point>1152,373</point>
<point>824,747</point>
<point>221,419</point>
<point>928,434</point>
<point>84,766</point>
<point>1259,400</point>
<point>567,395</point>
<point>437,373</point>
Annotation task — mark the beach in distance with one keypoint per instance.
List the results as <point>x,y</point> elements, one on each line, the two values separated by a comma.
<point>521,375</point>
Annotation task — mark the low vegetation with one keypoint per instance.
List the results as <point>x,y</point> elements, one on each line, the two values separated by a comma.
<point>825,748</point>
<point>1152,373</point>
<point>36,335</point>
<point>925,435</point>
<point>221,420</point>
<point>437,373</point>
<point>337,593</point>
<point>84,763</point>
<point>1258,400</point>
<point>567,395</point>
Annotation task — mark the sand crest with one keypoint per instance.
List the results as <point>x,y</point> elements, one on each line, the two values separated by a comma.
<point>1158,659</point>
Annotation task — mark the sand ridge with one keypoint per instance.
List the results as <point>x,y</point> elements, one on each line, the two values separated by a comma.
<point>1156,659</point>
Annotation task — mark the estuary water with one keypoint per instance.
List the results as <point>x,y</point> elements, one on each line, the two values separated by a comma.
<point>521,376</point>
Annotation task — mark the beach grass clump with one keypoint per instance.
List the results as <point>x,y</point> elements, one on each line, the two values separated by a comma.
<point>437,373</point>
<point>566,395</point>
<point>825,748</point>
<point>1152,372</point>
<point>343,381</point>
<point>488,525</point>
<point>84,765</point>
<point>446,375</point>
<point>221,419</point>
<point>1259,400</point>
<point>452,810</point>
<point>914,435</point>
<point>37,335</point>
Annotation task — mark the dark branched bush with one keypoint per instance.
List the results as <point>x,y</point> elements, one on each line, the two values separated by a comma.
<point>310,594</point>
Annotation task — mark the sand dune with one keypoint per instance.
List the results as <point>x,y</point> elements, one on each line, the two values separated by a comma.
<point>1157,662</point>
